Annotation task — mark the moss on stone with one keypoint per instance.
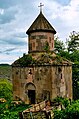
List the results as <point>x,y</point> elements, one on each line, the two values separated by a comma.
<point>42,59</point>
<point>26,60</point>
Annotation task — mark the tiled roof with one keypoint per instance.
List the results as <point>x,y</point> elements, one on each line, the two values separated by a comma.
<point>41,24</point>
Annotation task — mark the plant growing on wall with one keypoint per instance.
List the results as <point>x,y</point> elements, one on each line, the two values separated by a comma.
<point>46,47</point>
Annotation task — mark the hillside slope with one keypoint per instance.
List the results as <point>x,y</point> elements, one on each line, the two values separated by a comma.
<point>5,71</point>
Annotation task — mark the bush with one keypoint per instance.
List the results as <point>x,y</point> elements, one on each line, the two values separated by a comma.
<point>64,101</point>
<point>71,112</point>
<point>5,89</point>
<point>10,111</point>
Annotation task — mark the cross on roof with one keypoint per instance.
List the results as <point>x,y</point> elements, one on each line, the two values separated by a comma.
<point>41,7</point>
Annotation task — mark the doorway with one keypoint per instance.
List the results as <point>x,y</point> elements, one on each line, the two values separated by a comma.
<point>30,90</point>
<point>31,95</point>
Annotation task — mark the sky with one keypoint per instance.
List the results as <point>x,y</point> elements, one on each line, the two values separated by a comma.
<point>16,16</point>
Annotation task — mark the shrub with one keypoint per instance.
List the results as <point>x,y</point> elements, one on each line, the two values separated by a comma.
<point>5,89</point>
<point>71,112</point>
<point>64,101</point>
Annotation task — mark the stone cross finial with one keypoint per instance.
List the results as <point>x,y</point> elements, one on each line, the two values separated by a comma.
<point>41,7</point>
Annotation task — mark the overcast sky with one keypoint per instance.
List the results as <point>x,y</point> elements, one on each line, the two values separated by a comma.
<point>17,15</point>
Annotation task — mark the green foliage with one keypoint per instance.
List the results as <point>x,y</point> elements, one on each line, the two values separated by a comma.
<point>71,53</point>
<point>58,114</point>
<point>74,56</point>
<point>26,60</point>
<point>64,101</point>
<point>5,71</point>
<point>46,47</point>
<point>10,111</point>
<point>59,45</point>
<point>9,115</point>
<point>5,89</point>
<point>71,112</point>
<point>73,42</point>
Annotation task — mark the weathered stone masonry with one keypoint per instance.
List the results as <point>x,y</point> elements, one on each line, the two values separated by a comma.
<point>41,75</point>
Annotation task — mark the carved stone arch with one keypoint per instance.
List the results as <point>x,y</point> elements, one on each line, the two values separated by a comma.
<point>30,91</point>
<point>30,86</point>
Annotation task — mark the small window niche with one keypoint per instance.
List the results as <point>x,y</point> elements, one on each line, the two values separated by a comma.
<point>50,39</point>
<point>59,70</point>
<point>17,72</point>
<point>30,71</point>
<point>33,44</point>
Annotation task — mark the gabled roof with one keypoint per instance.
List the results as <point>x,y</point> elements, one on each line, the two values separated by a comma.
<point>41,24</point>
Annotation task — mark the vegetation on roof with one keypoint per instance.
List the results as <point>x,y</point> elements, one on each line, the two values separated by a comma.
<point>26,60</point>
<point>42,59</point>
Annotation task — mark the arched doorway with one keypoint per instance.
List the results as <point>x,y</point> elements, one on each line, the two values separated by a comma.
<point>30,89</point>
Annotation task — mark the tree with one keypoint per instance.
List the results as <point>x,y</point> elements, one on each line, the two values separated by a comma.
<point>5,89</point>
<point>60,48</point>
<point>73,42</point>
<point>70,112</point>
<point>73,49</point>
<point>72,54</point>
<point>59,45</point>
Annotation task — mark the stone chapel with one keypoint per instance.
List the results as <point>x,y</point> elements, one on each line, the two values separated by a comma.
<point>41,74</point>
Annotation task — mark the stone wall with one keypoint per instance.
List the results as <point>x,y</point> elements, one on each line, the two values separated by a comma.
<point>37,41</point>
<point>49,82</point>
<point>35,115</point>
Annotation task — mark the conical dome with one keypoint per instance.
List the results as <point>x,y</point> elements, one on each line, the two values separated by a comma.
<point>41,24</point>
